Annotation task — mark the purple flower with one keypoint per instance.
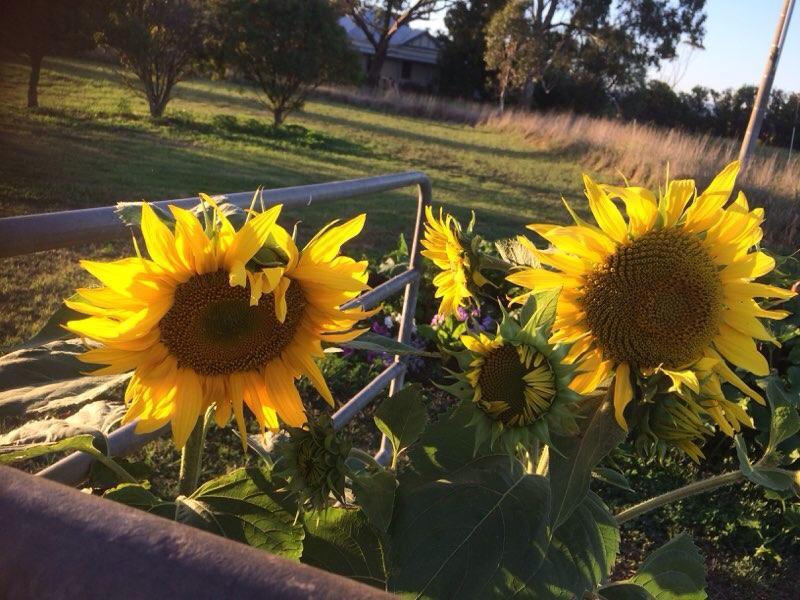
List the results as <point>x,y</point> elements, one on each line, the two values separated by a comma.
<point>437,321</point>
<point>461,314</point>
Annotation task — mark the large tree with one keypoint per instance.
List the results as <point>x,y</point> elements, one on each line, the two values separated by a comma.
<point>285,47</point>
<point>613,41</point>
<point>461,59</point>
<point>380,20</point>
<point>40,28</point>
<point>157,43</point>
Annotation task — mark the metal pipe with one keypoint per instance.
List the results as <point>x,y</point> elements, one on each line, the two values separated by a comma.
<point>62,544</point>
<point>46,231</point>
<point>388,288</point>
<point>368,393</point>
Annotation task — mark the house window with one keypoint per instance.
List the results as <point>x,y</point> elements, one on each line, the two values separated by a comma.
<point>405,70</point>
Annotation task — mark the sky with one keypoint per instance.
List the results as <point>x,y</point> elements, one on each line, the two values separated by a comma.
<point>737,42</point>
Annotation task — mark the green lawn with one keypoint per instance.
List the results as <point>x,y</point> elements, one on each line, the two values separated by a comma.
<point>91,143</point>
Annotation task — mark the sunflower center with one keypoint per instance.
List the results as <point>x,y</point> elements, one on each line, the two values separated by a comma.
<point>656,301</point>
<point>515,391</point>
<point>212,329</point>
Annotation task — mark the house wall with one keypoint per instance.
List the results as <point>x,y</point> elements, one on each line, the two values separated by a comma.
<point>423,76</point>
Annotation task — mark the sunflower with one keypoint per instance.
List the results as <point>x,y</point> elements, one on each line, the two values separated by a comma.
<point>448,248</point>
<point>516,385</point>
<point>201,323</point>
<point>668,291</point>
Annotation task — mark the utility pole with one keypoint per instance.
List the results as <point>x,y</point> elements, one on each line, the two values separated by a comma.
<point>764,88</point>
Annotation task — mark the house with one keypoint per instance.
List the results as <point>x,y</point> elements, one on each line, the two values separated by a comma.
<point>412,61</point>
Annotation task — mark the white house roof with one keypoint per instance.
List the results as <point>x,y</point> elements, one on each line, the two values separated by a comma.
<point>415,45</point>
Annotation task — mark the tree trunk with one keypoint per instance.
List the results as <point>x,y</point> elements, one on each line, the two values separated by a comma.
<point>33,81</point>
<point>374,71</point>
<point>156,108</point>
<point>278,116</point>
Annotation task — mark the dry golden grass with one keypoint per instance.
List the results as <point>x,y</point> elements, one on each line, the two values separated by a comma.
<point>620,150</point>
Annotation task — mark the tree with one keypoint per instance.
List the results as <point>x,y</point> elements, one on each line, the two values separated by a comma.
<point>285,47</point>
<point>611,42</point>
<point>463,48</point>
<point>158,42</point>
<point>380,20</point>
<point>40,28</point>
<point>509,38</point>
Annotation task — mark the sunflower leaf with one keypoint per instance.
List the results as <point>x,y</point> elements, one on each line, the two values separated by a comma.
<point>341,541</point>
<point>675,571</point>
<point>374,492</point>
<point>245,506</point>
<point>139,496</point>
<point>91,443</point>
<point>481,530</point>
<point>769,477</point>
<point>785,420</point>
<point>571,467</point>
<point>130,213</point>
<point>580,556</point>
<point>402,418</point>
<point>381,343</point>
<point>446,444</point>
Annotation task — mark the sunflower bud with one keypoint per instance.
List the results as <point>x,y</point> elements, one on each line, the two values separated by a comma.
<point>312,461</point>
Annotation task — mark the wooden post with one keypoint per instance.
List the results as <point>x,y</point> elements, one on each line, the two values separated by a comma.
<point>764,88</point>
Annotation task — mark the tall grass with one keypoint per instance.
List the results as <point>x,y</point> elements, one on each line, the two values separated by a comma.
<point>640,153</point>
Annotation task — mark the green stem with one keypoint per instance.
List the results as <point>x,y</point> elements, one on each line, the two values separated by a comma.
<point>365,457</point>
<point>698,487</point>
<point>191,457</point>
<point>111,464</point>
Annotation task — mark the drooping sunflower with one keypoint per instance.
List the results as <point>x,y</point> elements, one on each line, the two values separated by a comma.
<point>201,323</point>
<point>449,249</point>
<point>668,291</point>
<point>516,385</point>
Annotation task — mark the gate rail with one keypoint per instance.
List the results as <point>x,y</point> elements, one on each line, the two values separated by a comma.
<point>33,233</point>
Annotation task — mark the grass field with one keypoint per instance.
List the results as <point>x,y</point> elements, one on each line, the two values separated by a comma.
<point>91,143</point>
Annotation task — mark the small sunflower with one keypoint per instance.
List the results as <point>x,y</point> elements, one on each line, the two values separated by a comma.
<point>669,291</point>
<point>200,323</point>
<point>516,385</point>
<point>451,252</point>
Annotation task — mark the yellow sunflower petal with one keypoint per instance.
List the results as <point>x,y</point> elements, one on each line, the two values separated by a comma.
<point>623,393</point>
<point>605,212</point>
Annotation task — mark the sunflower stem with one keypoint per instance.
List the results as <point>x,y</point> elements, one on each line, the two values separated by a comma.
<point>692,489</point>
<point>191,456</point>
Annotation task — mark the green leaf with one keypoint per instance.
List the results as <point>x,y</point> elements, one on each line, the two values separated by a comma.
<point>93,444</point>
<point>513,251</point>
<point>571,467</point>
<point>445,445</point>
<point>130,213</point>
<point>381,343</point>
<point>771,478</point>
<point>612,477</point>
<point>340,541</point>
<point>785,420</point>
<point>52,330</point>
<point>247,507</point>
<point>402,418</point>
<point>374,493</point>
<point>674,572</point>
<point>540,310</point>
<point>624,591</point>
<point>139,496</point>
<point>581,554</point>
<point>473,535</point>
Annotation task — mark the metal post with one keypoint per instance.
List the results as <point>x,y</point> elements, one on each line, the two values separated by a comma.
<point>762,98</point>
<point>59,543</point>
<point>384,454</point>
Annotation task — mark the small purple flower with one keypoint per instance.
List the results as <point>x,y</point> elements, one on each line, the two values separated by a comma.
<point>379,328</point>
<point>437,321</point>
<point>388,321</point>
<point>461,314</point>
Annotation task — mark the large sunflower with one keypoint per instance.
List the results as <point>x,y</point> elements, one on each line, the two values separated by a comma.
<point>202,323</point>
<point>668,291</point>
<point>451,252</point>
